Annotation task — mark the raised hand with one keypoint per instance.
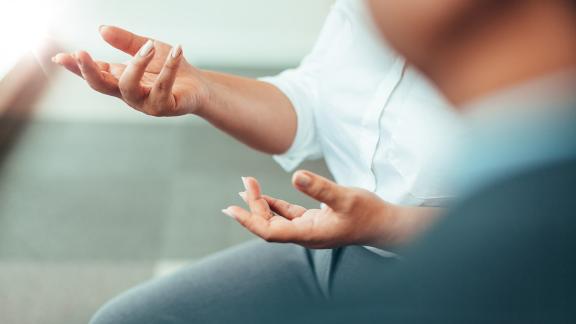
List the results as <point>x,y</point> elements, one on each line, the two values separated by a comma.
<point>351,216</point>
<point>157,80</point>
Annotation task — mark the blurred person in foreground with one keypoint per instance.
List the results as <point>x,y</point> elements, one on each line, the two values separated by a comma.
<point>508,247</point>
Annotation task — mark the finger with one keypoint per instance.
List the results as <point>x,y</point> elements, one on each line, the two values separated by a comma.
<point>161,93</point>
<point>320,188</point>
<point>257,204</point>
<point>252,187</point>
<point>100,81</point>
<point>253,223</point>
<point>277,229</point>
<point>123,40</point>
<point>284,208</point>
<point>130,86</point>
<point>280,207</point>
<point>68,62</point>
<point>244,196</point>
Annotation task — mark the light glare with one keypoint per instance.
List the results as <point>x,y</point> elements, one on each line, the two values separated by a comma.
<point>24,25</point>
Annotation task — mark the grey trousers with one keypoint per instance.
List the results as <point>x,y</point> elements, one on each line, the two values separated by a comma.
<point>256,282</point>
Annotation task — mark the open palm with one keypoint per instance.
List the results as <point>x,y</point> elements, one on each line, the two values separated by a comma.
<point>332,226</point>
<point>157,80</point>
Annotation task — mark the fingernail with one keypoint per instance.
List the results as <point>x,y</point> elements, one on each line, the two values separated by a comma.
<point>243,195</point>
<point>245,182</point>
<point>146,49</point>
<point>101,27</point>
<point>176,51</point>
<point>303,180</point>
<point>228,213</point>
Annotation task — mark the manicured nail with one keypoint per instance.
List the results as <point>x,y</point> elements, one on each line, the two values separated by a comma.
<point>146,49</point>
<point>245,182</point>
<point>243,195</point>
<point>176,51</point>
<point>228,213</point>
<point>303,180</point>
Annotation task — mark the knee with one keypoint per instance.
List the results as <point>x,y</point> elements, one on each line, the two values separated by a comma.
<point>110,313</point>
<point>150,303</point>
<point>121,310</point>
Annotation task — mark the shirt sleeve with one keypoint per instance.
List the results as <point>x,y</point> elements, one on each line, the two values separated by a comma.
<point>300,90</point>
<point>301,86</point>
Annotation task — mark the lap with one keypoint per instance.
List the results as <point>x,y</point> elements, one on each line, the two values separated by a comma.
<point>253,283</point>
<point>256,282</point>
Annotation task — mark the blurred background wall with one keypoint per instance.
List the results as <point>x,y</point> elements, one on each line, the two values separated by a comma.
<point>95,197</point>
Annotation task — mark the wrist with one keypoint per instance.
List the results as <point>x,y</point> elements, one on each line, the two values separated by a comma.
<point>390,226</point>
<point>204,96</point>
<point>400,225</point>
<point>411,222</point>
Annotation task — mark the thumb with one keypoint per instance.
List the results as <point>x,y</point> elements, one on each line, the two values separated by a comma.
<point>320,188</point>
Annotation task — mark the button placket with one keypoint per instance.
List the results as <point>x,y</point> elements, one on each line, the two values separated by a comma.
<point>378,111</point>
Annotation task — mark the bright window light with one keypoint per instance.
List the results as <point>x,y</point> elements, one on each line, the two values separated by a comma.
<point>24,25</point>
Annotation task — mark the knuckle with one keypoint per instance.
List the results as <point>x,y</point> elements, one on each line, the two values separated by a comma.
<point>354,199</point>
<point>162,85</point>
<point>355,196</point>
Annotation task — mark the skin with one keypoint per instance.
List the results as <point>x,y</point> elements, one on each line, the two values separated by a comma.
<point>162,83</point>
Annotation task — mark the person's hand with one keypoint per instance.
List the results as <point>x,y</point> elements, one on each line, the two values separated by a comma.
<point>157,80</point>
<point>350,216</point>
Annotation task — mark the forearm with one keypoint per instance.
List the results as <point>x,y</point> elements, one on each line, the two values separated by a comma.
<point>254,112</point>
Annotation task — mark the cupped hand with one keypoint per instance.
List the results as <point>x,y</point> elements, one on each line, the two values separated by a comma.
<point>350,216</point>
<point>157,80</point>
